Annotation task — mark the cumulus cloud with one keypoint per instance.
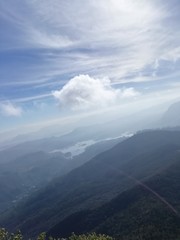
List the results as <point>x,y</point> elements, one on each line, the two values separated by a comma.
<point>8,109</point>
<point>84,92</point>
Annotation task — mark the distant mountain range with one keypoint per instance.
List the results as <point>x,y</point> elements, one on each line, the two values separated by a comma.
<point>84,130</point>
<point>172,116</point>
<point>100,180</point>
<point>26,174</point>
<point>20,175</point>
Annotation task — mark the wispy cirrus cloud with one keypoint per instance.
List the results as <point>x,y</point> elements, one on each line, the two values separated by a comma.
<point>115,39</point>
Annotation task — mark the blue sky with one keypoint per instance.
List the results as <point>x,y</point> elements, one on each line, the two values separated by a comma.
<point>62,57</point>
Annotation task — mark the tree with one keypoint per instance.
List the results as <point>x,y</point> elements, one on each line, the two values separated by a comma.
<point>5,235</point>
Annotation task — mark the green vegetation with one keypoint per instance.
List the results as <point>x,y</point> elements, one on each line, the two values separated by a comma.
<point>5,235</point>
<point>135,214</point>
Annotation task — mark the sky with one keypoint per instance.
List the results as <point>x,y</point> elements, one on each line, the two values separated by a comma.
<point>61,58</point>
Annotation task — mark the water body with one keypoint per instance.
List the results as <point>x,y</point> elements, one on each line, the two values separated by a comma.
<point>80,147</point>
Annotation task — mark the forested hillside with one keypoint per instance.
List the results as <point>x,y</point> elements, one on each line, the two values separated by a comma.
<point>148,211</point>
<point>100,180</point>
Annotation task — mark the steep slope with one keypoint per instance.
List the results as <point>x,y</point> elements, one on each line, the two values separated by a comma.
<point>150,210</point>
<point>97,181</point>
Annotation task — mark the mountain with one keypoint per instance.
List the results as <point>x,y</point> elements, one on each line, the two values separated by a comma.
<point>88,129</point>
<point>96,182</point>
<point>172,116</point>
<point>56,143</point>
<point>150,210</point>
<point>26,174</point>
<point>32,171</point>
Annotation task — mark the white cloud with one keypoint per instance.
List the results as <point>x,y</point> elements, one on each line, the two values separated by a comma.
<point>129,93</point>
<point>125,40</point>
<point>172,55</point>
<point>84,92</point>
<point>123,37</point>
<point>44,39</point>
<point>8,109</point>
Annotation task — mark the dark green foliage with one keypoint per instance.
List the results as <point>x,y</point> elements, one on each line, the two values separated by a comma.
<point>134,214</point>
<point>5,235</point>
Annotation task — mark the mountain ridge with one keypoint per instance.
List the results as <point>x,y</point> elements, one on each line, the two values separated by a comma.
<point>143,205</point>
<point>94,183</point>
